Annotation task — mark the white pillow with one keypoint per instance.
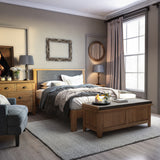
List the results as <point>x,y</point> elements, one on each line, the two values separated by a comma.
<point>73,80</point>
<point>58,83</point>
<point>3,100</point>
<point>48,83</point>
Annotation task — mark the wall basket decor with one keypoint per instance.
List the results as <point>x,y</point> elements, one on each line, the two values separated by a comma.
<point>96,51</point>
<point>58,49</point>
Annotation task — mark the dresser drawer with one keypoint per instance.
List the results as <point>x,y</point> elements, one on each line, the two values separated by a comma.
<point>24,86</point>
<point>24,99</point>
<point>21,96</point>
<point>7,87</point>
<point>4,94</point>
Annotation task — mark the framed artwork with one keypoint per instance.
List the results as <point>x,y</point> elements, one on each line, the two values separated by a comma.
<point>6,60</point>
<point>58,49</point>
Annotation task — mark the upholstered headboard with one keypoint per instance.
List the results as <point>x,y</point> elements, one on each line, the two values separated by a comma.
<point>42,75</point>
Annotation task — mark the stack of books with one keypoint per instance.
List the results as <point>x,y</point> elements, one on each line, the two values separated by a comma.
<point>120,100</point>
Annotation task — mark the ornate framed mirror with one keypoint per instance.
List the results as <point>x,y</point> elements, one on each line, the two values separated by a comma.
<point>96,51</point>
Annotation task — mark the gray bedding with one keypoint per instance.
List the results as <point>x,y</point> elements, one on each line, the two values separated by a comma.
<point>61,96</point>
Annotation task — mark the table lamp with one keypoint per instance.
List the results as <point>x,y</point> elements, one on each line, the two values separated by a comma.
<point>99,68</point>
<point>26,60</point>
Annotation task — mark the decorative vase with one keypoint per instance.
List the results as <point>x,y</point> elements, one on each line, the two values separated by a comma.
<point>16,75</point>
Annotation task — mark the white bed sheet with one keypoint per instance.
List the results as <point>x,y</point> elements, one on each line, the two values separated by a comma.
<point>77,102</point>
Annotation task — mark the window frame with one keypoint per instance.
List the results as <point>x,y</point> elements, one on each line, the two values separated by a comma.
<point>131,16</point>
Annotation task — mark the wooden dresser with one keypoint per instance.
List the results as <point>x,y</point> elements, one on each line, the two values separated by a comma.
<point>23,91</point>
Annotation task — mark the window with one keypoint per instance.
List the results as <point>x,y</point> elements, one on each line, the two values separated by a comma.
<point>134,53</point>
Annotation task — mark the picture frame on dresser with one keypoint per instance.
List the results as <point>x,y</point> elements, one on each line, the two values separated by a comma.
<point>6,60</point>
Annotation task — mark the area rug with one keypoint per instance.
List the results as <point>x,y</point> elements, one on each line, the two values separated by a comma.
<point>55,133</point>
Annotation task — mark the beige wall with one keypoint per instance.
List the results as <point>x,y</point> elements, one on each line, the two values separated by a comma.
<point>153,57</point>
<point>45,24</point>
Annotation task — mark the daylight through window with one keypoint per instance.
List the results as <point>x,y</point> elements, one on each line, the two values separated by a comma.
<point>134,53</point>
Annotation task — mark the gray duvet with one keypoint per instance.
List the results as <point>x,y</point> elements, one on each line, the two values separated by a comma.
<point>59,97</point>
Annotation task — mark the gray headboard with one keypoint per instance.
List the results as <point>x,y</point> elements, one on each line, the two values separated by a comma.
<point>42,75</point>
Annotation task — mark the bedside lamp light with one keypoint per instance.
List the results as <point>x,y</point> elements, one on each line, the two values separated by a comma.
<point>99,68</point>
<point>26,60</point>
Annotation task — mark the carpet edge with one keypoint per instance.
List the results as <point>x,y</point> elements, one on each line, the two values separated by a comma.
<point>44,143</point>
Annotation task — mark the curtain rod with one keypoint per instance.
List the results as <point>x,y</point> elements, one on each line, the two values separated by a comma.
<point>157,4</point>
<point>133,12</point>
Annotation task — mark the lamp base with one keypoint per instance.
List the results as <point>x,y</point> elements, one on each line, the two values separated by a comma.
<point>98,77</point>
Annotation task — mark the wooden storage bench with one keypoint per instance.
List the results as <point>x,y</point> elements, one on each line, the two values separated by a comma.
<point>116,115</point>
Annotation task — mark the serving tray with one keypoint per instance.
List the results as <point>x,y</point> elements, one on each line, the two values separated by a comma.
<point>101,103</point>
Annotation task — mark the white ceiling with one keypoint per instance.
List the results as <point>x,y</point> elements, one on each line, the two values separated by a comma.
<point>99,9</point>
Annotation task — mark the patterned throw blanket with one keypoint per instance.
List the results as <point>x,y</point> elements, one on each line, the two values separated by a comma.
<point>59,97</point>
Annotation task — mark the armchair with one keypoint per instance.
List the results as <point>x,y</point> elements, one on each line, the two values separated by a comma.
<point>13,119</point>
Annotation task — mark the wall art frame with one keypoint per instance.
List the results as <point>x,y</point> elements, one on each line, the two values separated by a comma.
<point>50,42</point>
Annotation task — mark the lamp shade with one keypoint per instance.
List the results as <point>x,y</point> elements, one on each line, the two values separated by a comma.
<point>99,68</point>
<point>26,59</point>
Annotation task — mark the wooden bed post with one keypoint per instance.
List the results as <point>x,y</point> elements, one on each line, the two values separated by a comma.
<point>74,115</point>
<point>73,120</point>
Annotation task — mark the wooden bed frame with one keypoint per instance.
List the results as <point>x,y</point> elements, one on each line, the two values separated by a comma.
<point>74,114</point>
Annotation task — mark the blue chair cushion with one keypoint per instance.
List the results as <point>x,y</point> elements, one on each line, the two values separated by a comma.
<point>16,114</point>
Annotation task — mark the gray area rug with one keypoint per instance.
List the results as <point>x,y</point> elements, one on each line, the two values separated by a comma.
<point>55,133</point>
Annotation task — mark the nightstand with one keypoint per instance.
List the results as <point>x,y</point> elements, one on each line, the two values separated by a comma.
<point>23,91</point>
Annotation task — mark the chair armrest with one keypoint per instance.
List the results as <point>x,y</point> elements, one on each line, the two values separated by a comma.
<point>12,100</point>
<point>3,110</point>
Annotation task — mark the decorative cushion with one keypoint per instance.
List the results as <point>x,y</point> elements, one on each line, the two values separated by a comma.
<point>73,80</point>
<point>44,87</point>
<point>58,83</point>
<point>3,100</point>
<point>49,83</point>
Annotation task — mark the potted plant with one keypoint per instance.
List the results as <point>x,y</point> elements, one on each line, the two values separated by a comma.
<point>15,72</point>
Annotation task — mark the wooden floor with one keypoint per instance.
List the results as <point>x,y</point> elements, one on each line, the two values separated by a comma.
<point>32,149</point>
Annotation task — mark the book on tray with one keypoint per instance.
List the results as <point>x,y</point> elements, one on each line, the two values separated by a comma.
<point>120,100</point>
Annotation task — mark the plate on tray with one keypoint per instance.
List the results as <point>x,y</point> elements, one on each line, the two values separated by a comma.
<point>101,103</point>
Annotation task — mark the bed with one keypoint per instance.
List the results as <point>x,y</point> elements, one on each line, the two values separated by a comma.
<point>42,75</point>
<point>75,110</point>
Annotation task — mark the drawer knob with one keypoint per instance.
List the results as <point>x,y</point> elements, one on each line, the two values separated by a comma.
<point>6,88</point>
<point>19,97</point>
<point>24,87</point>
